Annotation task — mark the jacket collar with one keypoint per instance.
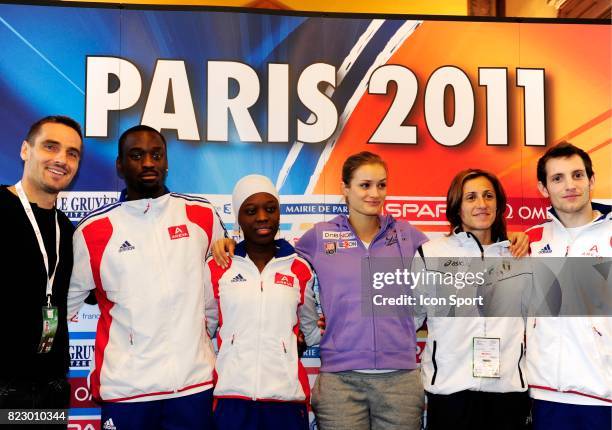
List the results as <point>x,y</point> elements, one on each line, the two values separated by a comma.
<point>386,222</point>
<point>605,210</point>
<point>466,238</point>
<point>283,249</point>
<point>123,195</point>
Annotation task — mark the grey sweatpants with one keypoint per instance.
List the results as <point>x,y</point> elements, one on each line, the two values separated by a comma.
<point>363,401</point>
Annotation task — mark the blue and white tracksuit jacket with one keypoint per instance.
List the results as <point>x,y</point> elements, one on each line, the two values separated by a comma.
<point>145,259</point>
<point>569,359</point>
<point>259,318</point>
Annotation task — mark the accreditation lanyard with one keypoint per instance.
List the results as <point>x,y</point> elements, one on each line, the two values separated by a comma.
<point>41,244</point>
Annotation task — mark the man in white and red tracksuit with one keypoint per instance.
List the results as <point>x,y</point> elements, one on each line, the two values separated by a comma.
<point>569,359</point>
<point>144,256</point>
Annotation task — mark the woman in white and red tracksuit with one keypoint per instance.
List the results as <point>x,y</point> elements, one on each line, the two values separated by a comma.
<point>265,296</point>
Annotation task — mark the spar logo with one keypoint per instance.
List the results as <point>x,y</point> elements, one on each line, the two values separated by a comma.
<point>178,232</point>
<point>417,209</point>
<point>282,279</point>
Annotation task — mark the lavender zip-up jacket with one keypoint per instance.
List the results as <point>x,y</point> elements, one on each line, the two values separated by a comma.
<point>355,337</point>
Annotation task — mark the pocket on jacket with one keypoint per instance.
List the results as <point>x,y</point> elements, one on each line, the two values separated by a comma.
<point>396,335</point>
<point>351,330</point>
<point>285,355</point>
<point>603,349</point>
<point>227,355</point>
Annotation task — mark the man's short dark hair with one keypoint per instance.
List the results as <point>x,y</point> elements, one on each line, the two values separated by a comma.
<point>136,129</point>
<point>55,119</point>
<point>562,150</point>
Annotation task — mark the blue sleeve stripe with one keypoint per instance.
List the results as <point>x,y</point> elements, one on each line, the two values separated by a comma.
<point>191,198</point>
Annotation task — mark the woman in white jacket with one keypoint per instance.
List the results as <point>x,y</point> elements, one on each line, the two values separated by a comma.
<point>473,366</point>
<point>264,296</point>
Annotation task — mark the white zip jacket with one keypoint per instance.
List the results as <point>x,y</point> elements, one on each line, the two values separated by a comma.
<point>447,360</point>
<point>569,359</point>
<point>145,259</point>
<point>259,316</point>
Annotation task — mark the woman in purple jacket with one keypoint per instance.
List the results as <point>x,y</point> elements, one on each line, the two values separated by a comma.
<point>368,377</point>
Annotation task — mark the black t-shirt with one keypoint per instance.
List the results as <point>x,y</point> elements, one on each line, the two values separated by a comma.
<point>23,291</point>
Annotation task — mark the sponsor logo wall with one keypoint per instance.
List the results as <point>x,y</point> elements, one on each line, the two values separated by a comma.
<point>282,95</point>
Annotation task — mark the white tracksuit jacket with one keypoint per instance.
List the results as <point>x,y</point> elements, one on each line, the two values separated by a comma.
<point>259,316</point>
<point>569,359</point>
<point>145,259</point>
<point>447,360</point>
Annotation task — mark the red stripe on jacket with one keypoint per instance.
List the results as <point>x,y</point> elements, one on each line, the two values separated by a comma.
<point>540,387</point>
<point>303,274</point>
<point>97,235</point>
<point>535,234</point>
<point>160,393</point>
<point>203,217</point>
<point>216,272</point>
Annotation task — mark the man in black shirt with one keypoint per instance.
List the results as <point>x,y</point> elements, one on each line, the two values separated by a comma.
<point>36,268</point>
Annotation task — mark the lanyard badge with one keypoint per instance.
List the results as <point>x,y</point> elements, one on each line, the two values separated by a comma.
<point>50,313</point>
<point>486,359</point>
<point>50,321</point>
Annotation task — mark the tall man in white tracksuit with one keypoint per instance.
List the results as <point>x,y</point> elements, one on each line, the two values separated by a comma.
<point>144,256</point>
<point>569,359</point>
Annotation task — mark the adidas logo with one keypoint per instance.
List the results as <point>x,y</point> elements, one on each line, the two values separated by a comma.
<point>546,250</point>
<point>127,246</point>
<point>238,278</point>
<point>109,425</point>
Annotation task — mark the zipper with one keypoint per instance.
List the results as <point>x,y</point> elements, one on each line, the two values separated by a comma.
<point>480,247</point>
<point>367,256</point>
<point>172,359</point>
<point>559,387</point>
<point>372,308</point>
<point>258,349</point>
<point>433,361</point>
<point>519,366</point>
